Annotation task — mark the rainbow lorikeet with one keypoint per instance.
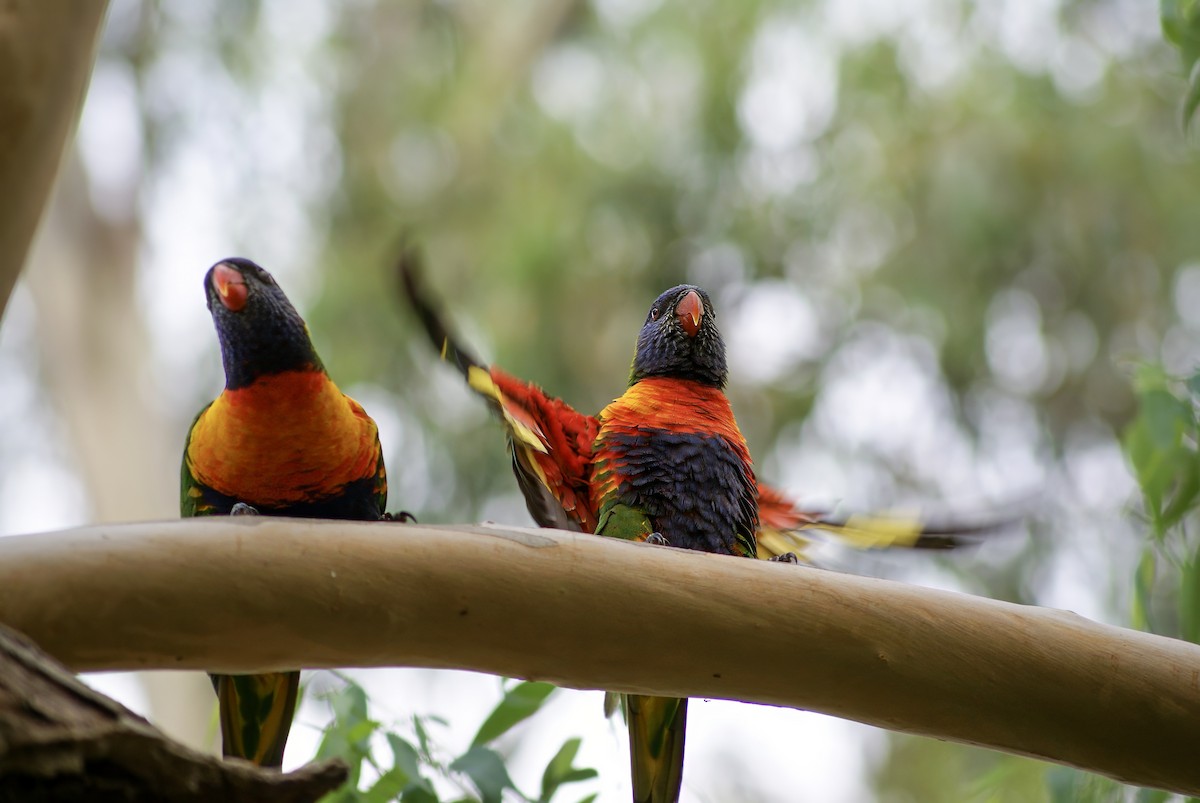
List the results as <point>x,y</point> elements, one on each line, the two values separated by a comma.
<point>664,463</point>
<point>280,440</point>
<point>555,450</point>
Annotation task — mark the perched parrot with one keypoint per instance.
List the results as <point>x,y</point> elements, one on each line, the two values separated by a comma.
<point>664,463</point>
<point>280,440</point>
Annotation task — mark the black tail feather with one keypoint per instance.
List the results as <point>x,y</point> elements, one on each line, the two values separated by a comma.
<point>409,266</point>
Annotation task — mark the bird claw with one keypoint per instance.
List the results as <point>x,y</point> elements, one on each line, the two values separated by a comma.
<point>658,539</point>
<point>786,557</point>
<point>242,509</point>
<point>401,516</point>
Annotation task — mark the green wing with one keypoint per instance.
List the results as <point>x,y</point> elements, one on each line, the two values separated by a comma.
<point>381,486</point>
<point>191,492</point>
<point>622,521</point>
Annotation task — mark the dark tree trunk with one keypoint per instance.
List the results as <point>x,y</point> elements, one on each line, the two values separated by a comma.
<point>62,741</point>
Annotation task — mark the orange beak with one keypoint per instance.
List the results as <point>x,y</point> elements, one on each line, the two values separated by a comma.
<point>230,287</point>
<point>689,311</point>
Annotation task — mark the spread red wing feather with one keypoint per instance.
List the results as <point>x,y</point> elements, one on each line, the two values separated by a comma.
<point>780,524</point>
<point>552,452</point>
<point>779,511</point>
<point>551,442</point>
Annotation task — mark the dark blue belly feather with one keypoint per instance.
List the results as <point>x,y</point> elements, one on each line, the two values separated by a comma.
<point>695,489</point>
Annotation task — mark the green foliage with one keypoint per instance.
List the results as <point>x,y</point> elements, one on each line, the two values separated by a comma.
<point>1066,785</point>
<point>486,770</point>
<point>1181,26</point>
<point>349,734</point>
<point>562,770</point>
<point>519,703</point>
<point>941,772</point>
<point>1161,444</point>
<point>1162,448</point>
<point>1071,786</point>
<point>416,771</point>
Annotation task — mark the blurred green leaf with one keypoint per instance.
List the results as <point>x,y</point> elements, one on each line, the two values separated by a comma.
<point>407,762</point>
<point>404,757</point>
<point>1160,444</point>
<point>612,704</point>
<point>1152,796</point>
<point>348,735</point>
<point>1143,582</point>
<point>387,787</point>
<point>519,703</point>
<point>1149,376</point>
<point>560,770</point>
<point>1189,599</point>
<point>1147,462</point>
<point>1186,489</point>
<point>1009,779</point>
<point>359,733</point>
<point>349,705</point>
<point>486,770</point>
<point>419,794</point>
<point>1181,26</point>
<point>1166,417</point>
<point>1068,785</point>
<point>422,732</point>
<point>1191,98</point>
<point>1060,784</point>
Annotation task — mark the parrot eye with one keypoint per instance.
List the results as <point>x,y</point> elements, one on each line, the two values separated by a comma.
<point>654,313</point>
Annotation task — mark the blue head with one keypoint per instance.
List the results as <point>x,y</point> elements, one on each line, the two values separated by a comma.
<point>680,339</point>
<point>259,329</point>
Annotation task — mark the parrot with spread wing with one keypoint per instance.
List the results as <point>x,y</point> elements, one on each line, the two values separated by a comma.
<point>280,440</point>
<point>664,463</point>
<point>554,450</point>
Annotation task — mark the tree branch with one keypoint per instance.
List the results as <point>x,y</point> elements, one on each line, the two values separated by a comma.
<point>46,52</point>
<point>61,741</point>
<point>255,594</point>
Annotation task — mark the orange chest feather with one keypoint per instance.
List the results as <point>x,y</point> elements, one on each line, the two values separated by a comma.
<point>287,438</point>
<point>673,405</point>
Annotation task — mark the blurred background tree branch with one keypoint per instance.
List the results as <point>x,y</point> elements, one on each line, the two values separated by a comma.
<point>46,54</point>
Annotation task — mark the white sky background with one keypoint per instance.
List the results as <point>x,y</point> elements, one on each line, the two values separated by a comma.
<point>240,182</point>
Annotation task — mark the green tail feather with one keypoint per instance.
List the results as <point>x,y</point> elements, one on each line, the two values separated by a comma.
<point>256,714</point>
<point>656,734</point>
